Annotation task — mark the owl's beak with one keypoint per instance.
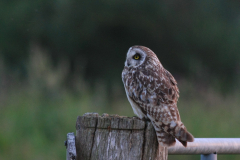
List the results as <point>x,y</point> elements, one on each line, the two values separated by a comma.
<point>127,64</point>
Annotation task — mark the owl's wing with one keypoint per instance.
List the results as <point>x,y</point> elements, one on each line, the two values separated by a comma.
<point>171,90</point>
<point>162,83</point>
<point>163,91</point>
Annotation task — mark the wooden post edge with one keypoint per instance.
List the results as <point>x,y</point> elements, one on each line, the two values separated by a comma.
<point>116,137</point>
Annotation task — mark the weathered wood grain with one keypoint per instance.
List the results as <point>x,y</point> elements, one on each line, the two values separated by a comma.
<point>113,137</point>
<point>86,127</point>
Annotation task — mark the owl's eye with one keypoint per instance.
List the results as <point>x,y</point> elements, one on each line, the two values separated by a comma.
<point>137,56</point>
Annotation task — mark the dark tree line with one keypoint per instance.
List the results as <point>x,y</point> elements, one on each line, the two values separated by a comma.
<point>196,39</point>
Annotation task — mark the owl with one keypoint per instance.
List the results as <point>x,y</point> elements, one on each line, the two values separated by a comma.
<point>153,94</point>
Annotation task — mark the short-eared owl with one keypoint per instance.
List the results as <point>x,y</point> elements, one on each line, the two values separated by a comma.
<point>153,94</point>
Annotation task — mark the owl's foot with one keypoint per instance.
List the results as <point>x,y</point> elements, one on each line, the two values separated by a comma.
<point>143,119</point>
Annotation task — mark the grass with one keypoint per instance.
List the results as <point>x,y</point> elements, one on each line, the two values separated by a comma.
<point>35,124</point>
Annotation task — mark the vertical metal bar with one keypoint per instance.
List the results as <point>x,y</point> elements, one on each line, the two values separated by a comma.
<point>71,148</point>
<point>212,156</point>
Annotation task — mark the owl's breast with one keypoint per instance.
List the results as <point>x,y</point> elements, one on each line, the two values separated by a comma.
<point>138,91</point>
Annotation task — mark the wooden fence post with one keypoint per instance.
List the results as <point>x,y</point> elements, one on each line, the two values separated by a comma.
<point>113,137</point>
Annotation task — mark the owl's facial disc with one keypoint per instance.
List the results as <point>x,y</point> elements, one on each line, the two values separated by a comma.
<point>135,57</point>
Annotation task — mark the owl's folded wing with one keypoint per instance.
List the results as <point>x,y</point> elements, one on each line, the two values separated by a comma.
<point>162,83</point>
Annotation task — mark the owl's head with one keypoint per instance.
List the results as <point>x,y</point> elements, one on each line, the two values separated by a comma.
<point>137,55</point>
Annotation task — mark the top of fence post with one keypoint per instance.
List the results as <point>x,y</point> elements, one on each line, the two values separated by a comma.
<point>116,137</point>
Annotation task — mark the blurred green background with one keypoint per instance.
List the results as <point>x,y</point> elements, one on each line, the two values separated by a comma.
<point>63,58</point>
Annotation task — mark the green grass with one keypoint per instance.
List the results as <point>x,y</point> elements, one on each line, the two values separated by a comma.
<point>34,124</point>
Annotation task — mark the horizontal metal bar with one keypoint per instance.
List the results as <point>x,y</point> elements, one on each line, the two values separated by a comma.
<point>208,146</point>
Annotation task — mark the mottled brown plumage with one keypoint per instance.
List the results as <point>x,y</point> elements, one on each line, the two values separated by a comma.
<point>153,94</point>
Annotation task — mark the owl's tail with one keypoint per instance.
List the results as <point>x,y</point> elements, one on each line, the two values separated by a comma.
<point>164,139</point>
<point>181,133</point>
<point>166,134</point>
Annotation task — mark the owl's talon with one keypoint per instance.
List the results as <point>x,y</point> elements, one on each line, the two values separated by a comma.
<point>143,119</point>
<point>137,117</point>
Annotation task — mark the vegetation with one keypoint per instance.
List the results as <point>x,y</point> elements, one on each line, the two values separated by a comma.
<point>61,59</point>
<point>35,124</point>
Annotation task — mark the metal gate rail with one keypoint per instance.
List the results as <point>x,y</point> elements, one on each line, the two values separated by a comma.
<point>208,147</point>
